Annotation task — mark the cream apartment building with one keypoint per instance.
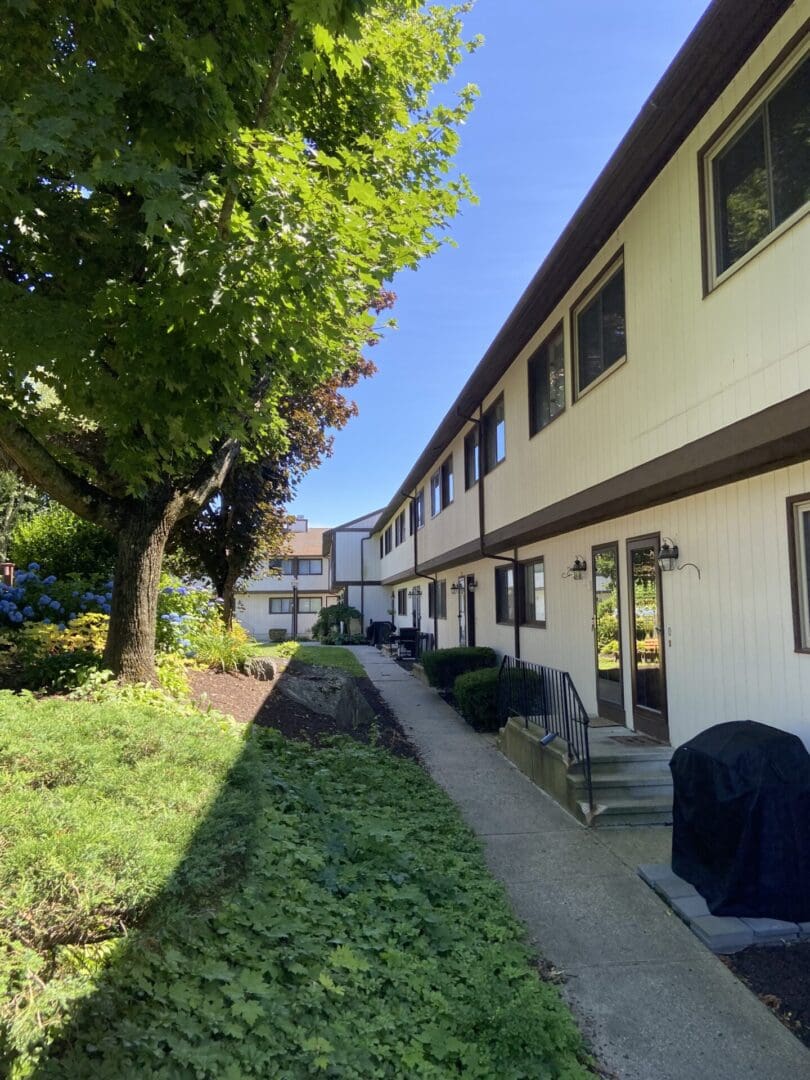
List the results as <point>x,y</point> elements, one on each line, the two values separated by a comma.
<point>621,489</point>
<point>287,598</point>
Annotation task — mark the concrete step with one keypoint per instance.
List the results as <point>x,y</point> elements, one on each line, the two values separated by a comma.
<point>613,788</point>
<point>646,810</point>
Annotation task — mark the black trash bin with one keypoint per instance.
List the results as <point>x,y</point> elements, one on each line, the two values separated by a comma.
<point>741,820</point>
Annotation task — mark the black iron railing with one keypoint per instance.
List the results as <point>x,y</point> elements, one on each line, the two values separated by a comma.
<point>547,697</point>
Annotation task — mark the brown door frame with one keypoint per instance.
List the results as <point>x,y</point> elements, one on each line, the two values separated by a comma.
<point>648,721</point>
<point>610,710</point>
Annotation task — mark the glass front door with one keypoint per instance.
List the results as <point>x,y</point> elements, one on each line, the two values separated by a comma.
<point>647,638</point>
<point>607,632</point>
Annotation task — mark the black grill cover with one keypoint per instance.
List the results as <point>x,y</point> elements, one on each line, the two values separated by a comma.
<point>741,820</point>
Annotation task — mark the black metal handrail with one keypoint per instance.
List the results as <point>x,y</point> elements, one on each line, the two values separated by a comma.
<point>547,697</point>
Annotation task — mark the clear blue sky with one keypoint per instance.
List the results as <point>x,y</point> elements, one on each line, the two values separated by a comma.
<point>561,81</point>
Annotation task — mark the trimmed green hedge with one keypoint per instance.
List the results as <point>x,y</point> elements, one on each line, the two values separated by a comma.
<point>443,666</point>
<point>476,695</point>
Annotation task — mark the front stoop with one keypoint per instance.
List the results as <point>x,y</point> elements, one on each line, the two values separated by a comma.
<point>631,780</point>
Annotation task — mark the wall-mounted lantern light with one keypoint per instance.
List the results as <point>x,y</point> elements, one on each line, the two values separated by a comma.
<point>577,569</point>
<point>668,557</point>
<point>472,584</point>
<point>668,554</point>
<point>415,591</point>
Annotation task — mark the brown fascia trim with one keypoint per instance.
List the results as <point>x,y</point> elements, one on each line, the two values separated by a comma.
<point>726,35</point>
<point>770,439</point>
<point>343,584</point>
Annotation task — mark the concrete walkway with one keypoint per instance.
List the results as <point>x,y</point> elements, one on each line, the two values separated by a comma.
<point>654,1003</point>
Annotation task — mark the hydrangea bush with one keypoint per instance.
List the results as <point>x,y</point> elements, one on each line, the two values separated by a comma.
<point>185,612</point>
<point>52,632</point>
<point>36,599</point>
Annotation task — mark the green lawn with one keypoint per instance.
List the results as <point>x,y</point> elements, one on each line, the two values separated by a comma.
<point>323,655</point>
<point>289,912</point>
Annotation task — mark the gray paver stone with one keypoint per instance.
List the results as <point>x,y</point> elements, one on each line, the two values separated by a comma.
<point>674,887</point>
<point>772,929</point>
<point>723,935</point>
<point>653,872</point>
<point>690,907</point>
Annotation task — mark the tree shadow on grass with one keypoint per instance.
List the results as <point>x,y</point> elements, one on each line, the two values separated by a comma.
<point>331,916</point>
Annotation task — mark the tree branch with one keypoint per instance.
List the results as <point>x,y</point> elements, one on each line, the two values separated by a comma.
<point>270,88</point>
<point>210,477</point>
<point>40,467</point>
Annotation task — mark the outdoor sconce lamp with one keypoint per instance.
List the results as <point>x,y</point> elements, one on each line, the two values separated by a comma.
<point>471,585</point>
<point>668,557</point>
<point>668,554</point>
<point>577,569</point>
<point>415,591</point>
<point>456,587</point>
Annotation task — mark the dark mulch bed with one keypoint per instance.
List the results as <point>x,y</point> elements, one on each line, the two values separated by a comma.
<point>248,699</point>
<point>780,977</point>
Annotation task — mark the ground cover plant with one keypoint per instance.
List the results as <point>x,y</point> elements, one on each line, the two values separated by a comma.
<point>298,911</point>
<point>321,655</point>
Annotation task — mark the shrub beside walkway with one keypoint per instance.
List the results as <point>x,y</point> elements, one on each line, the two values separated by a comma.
<point>654,1002</point>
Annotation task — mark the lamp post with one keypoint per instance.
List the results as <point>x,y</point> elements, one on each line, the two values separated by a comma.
<point>294,608</point>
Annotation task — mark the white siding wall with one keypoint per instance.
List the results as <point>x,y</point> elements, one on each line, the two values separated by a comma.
<point>731,655</point>
<point>694,364</point>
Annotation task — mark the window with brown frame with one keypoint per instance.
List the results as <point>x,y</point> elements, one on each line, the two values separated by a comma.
<point>437,599</point>
<point>399,528</point>
<point>599,328</point>
<point>505,594</point>
<point>799,544</point>
<point>472,458</point>
<point>759,177</point>
<point>533,584</point>
<point>547,382</point>
<point>493,435</point>
<point>402,601</point>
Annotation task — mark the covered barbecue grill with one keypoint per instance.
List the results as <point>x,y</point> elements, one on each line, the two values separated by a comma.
<point>741,820</point>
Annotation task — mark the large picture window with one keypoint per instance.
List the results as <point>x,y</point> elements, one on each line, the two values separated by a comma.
<point>547,382</point>
<point>599,323</point>
<point>760,176</point>
<point>799,526</point>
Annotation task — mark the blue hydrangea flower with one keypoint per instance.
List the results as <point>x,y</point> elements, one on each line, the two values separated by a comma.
<point>33,567</point>
<point>44,600</point>
<point>106,609</point>
<point>49,580</point>
<point>182,591</point>
<point>28,611</point>
<point>21,576</point>
<point>71,616</point>
<point>60,626</point>
<point>16,616</point>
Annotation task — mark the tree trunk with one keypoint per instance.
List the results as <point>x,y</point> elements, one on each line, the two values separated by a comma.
<point>144,529</point>
<point>229,598</point>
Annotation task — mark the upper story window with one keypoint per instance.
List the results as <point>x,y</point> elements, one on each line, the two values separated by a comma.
<point>441,487</point>
<point>284,565</point>
<point>382,549</point>
<point>799,524</point>
<point>310,566</point>
<point>418,508</point>
<point>399,528</point>
<point>599,328</point>
<point>759,177</point>
<point>388,536</point>
<point>472,458</point>
<point>494,435</point>
<point>547,382</point>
